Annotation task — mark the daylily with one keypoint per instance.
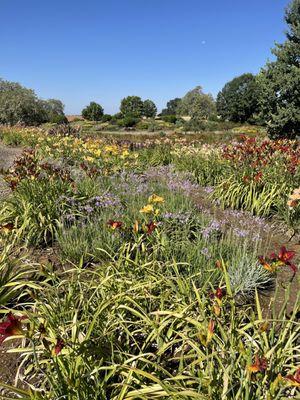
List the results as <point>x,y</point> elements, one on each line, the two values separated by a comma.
<point>151,227</point>
<point>10,327</point>
<point>271,267</point>
<point>218,294</point>
<point>284,257</point>
<point>259,365</point>
<point>115,224</point>
<point>147,209</point>
<point>6,228</point>
<point>156,199</point>
<point>136,227</point>
<point>294,380</point>
<point>210,331</point>
<point>60,344</point>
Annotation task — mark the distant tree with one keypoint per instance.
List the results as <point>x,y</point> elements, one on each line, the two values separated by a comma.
<point>172,107</point>
<point>19,105</point>
<point>197,104</point>
<point>132,106</point>
<point>238,100</point>
<point>54,110</point>
<point>93,112</point>
<point>149,109</point>
<point>279,82</point>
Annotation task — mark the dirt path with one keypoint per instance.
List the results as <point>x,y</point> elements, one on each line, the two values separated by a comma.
<point>7,157</point>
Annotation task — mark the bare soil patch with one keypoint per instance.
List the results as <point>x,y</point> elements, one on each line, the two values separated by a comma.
<point>7,157</point>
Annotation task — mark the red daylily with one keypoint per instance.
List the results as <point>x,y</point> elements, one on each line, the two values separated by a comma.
<point>218,294</point>
<point>210,330</point>
<point>60,344</point>
<point>151,227</point>
<point>294,380</point>
<point>115,224</point>
<point>7,227</point>
<point>259,365</point>
<point>267,265</point>
<point>258,176</point>
<point>10,327</point>
<point>284,257</point>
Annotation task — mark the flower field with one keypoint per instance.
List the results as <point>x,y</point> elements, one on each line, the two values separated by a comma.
<point>150,269</point>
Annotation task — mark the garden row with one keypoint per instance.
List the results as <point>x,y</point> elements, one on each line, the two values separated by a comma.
<point>116,284</point>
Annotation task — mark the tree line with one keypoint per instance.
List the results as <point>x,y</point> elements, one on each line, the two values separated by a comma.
<point>270,98</point>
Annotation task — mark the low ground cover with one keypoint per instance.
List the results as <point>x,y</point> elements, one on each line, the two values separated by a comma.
<point>150,294</point>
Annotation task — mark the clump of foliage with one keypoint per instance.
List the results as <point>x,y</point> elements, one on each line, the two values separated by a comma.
<point>93,112</point>
<point>197,104</point>
<point>19,105</point>
<point>64,129</point>
<point>106,118</point>
<point>129,121</point>
<point>55,111</point>
<point>171,118</point>
<point>133,106</point>
<point>172,108</point>
<point>238,100</point>
<point>280,81</point>
<point>149,109</point>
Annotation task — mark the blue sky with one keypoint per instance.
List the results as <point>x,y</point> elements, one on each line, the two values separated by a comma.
<point>97,50</point>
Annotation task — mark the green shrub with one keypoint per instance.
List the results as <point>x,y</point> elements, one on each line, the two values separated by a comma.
<point>59,119</point>
<point>128,122</point>
<point>172,119</point>
<point>34,209</point>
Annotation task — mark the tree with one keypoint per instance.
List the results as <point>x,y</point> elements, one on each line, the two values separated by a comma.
<point>238,100</point>
<point>132,106</point>
<point>19,105</point>
<point>149,109</point>
<point>279,81</point>
<point>197,104</point>
<point>172,107</point>
<point>54,110</point>
<point>93,112</point>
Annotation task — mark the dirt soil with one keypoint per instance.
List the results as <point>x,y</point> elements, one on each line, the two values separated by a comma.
<point>7,157</point>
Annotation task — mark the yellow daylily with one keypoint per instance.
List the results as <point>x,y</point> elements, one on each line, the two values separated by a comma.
<point>147,209</point>
<point>156,199</point>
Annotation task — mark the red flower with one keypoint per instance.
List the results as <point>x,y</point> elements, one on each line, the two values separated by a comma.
<point>115,224</point>
<point>294,380</point>
<point>60,344</point>
<point>269,266</point>
<point>10,327</point>
<point>151,227</point>
<point>285,256</point>
<point>258,176</point>
<point>218,294</point>
<point>259,365</point>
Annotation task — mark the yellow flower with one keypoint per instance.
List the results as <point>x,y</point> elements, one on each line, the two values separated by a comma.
<point>147,209</point>
<point>156,199</point>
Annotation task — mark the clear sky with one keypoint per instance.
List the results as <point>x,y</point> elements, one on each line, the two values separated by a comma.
<point>79,51</point>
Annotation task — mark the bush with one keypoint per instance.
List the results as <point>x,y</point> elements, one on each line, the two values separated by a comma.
<point>106,118</point>
<point>65,130</point>
<point>172,119</point>
<point>128,122</point>
<point>59,119</point>
<point>93,112</point>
